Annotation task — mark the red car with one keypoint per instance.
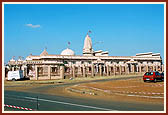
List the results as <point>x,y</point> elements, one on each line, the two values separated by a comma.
<point>152,76</point>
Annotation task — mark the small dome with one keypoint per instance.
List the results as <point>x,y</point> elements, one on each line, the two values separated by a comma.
<point>20,60</point>
<point>67,52</point>
<point>12,59</point>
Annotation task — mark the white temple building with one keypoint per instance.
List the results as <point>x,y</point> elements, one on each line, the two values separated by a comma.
<point>91,63</point>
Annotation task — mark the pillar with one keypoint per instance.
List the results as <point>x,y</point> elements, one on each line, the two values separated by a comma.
<point>92,69</point>
<point>26,71</point>
<point>110,70</point>
<point>84,71</point>
<point>137,68</point>
<point>132,68</point>
<point>79,70</point>
<point>125,69</point>
<point>100,70</point>
<point>13,69</point>
<point>87,70</point>
<point>104,69</point>
<point>73,71</point>
<point>120,69</point>
<point>153,68</point>
<point>62,72</point>
<point>107,70</point>
<point>156,68</point>
<point>140,68</point>
<point>114,69</point>
<point>162,68</point>
<point>147,68</point>
<point>49,72</point>
<point>97,69</point>
<point>36,72</point>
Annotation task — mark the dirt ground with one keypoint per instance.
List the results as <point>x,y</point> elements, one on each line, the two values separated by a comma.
<point>130,90</point>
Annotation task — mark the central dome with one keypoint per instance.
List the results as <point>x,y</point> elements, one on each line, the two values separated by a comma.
<point>67,52</point>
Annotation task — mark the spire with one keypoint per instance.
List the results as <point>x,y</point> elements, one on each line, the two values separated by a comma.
<point>87,49</point>
<point>87,43</point>
<point>44,53</point>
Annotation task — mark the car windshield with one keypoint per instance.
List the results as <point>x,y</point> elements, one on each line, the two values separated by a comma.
<point>149,73</point>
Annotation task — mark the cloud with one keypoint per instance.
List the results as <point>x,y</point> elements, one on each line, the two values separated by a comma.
<point>33,26</point>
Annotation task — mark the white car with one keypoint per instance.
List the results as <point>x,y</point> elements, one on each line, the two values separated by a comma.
<point>15,75</point>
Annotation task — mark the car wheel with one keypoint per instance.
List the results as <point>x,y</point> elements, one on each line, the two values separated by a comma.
<point>13,79</point>
<point>144,80</point>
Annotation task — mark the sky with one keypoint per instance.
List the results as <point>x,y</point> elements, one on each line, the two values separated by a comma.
<point>121,29</point>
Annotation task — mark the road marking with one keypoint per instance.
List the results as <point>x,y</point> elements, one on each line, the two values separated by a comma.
<point>65,103</point>
<point>146,96</point>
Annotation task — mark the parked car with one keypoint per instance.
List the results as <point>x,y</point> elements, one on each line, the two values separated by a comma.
<point>152,76</point>
<point>162,74</point>
<point>15,75</point>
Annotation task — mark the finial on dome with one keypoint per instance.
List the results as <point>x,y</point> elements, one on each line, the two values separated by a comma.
<point>69,45</point>
<point>89,32</point>
<point>13,57</point>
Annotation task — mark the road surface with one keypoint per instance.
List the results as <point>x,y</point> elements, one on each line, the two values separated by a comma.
<point>61,103</point>
<point>46,102</point>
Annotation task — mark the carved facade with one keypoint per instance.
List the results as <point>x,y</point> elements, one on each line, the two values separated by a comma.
<point>92,63</point>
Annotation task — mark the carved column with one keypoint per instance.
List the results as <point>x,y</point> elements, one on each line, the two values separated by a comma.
<point>125,69</point>
<point>84,71</point>
<point>79,70</point>
<point>97,69</point>
<point>107,70</point>
<point>120,69</point>
<point>114,69</point>
<point>26,71</point>
<point>153,67</point>
<point>104,69</point>
<point>147,68</point>
<point>13,69</point>
<point>73,71</point>
<point>140,68</point>
<point>87,70</point>
<point>62,72</point>
<point>162,68</point>
<point>100,70</point>
<point>49,72</point>
<point>36,72</point>
<point>110,70</point>
<point>137,68</point>
<point>132,68</point>
<point>156,67</point>
<point>92,69</point>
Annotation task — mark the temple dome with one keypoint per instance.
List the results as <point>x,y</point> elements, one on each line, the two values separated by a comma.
<point>12,59</point>
<point>67,52</point>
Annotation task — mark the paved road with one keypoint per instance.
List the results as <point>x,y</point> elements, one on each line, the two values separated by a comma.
<point>61,103</point>
<point>66,103</point>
